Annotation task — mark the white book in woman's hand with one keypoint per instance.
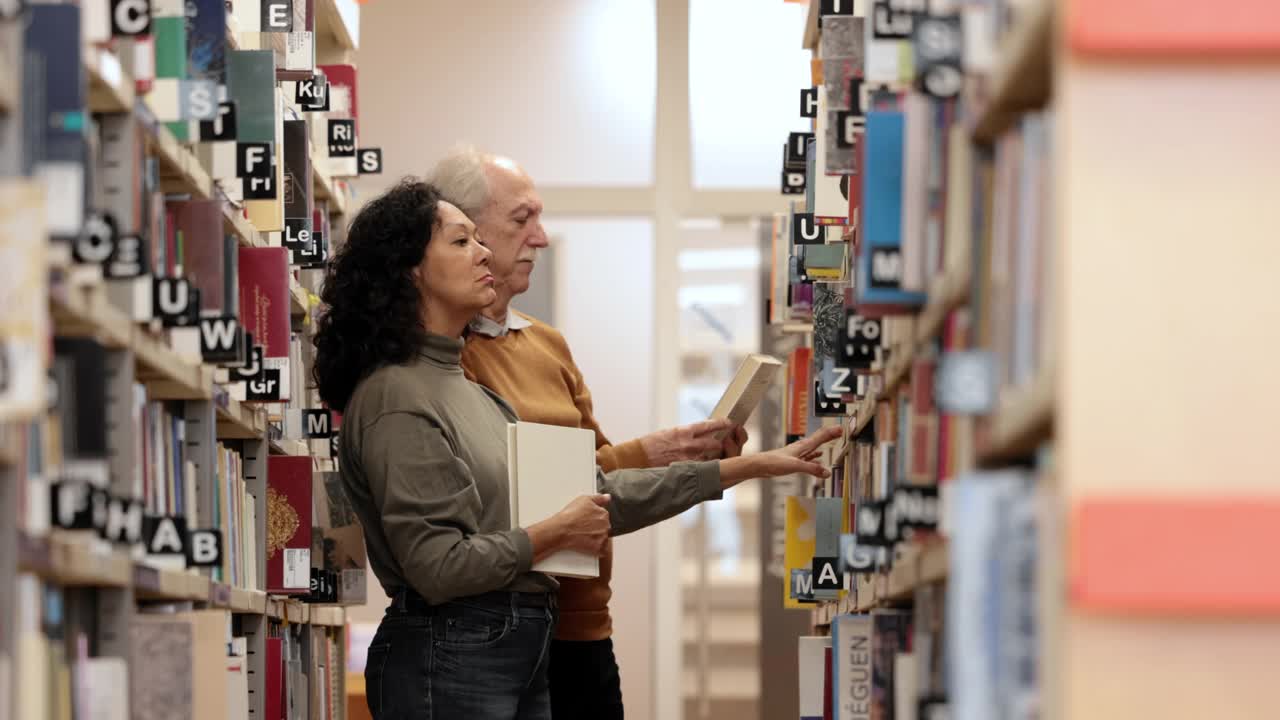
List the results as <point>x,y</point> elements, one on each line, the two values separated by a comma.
<point>547,467</point>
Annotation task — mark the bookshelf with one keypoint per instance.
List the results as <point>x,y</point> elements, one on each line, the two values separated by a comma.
<point>1067,472</point>
<point>159,427</point>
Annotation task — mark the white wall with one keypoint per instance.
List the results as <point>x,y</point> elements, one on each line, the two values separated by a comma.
<point>604,307</point>
<point>566,87</point>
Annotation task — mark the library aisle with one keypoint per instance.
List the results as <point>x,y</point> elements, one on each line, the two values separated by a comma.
<point>1021,250</point>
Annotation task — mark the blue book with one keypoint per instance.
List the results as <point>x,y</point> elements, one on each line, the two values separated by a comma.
<point>880,265</point>
<point>55,129</point>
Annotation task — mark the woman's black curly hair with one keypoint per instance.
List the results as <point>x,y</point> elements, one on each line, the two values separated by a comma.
<point>373,316</point>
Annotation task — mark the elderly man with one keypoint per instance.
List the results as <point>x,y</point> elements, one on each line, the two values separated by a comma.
<point>529,364</point>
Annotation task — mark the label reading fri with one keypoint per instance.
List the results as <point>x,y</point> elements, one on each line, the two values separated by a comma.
<point>342,138</point>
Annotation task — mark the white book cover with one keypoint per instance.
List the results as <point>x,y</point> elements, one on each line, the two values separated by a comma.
<point>105,688</point>
<point>905,693</point>
<point>746,390</point>
<point>851,667</point>
<point>829,206</point>
<point>547,467</point>
<point>813,668</point>
<point>237,688</point>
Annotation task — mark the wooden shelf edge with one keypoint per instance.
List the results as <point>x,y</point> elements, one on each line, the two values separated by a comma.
<point>811,29</point>
<point>73,561</point>
<point>104,95</point>
<point>237,224</point>
<point>288,447</point>
<point>247,601</point>
<point>329,17</point>
<point>1021,79</point>
<point>1022,422</point>
<point>238,421</point>
<point>299,300</point>
<point>181,171</point>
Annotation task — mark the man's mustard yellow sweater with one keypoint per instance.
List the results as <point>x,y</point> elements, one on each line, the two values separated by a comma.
<point>532,369</point>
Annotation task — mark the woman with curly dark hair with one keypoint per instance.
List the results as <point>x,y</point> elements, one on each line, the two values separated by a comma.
<point>423,455</point>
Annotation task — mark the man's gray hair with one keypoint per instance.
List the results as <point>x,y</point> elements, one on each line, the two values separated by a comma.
<point>460,177</point>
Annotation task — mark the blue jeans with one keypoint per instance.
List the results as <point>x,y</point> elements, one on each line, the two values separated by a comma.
<point>477,658</point>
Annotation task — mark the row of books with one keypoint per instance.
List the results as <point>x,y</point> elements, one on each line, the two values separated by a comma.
<point>928,308</point>
<point>162,664</point>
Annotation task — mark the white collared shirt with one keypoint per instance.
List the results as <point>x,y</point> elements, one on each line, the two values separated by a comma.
<point>490,328</point>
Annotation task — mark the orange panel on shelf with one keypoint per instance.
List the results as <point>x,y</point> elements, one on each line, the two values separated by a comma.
<point>1174,556</point>
<point>1160,27</point>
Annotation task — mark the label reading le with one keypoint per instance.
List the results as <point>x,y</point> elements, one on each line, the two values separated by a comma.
<point>130,18</point>
<point>297,233</point>
<point>370,161</point>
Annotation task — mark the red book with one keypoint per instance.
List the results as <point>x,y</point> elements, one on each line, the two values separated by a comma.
<point>798,392</point>
<point>203,251</point>
<point>828,711</point>
<point>289,524</point>
<point>264,311</point>
<point>343,78</point>
<point>274,702</point>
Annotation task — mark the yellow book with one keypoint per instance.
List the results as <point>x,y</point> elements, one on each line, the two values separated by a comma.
<point>800,532</point>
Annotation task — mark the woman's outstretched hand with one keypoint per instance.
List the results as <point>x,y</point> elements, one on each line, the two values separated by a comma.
<point>798,457</point>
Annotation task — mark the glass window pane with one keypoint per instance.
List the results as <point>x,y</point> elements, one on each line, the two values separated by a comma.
<point>746,69</point>
<point>566,87</point>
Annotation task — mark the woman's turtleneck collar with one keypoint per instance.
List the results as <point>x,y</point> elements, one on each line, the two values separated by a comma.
<point>443,350</point>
